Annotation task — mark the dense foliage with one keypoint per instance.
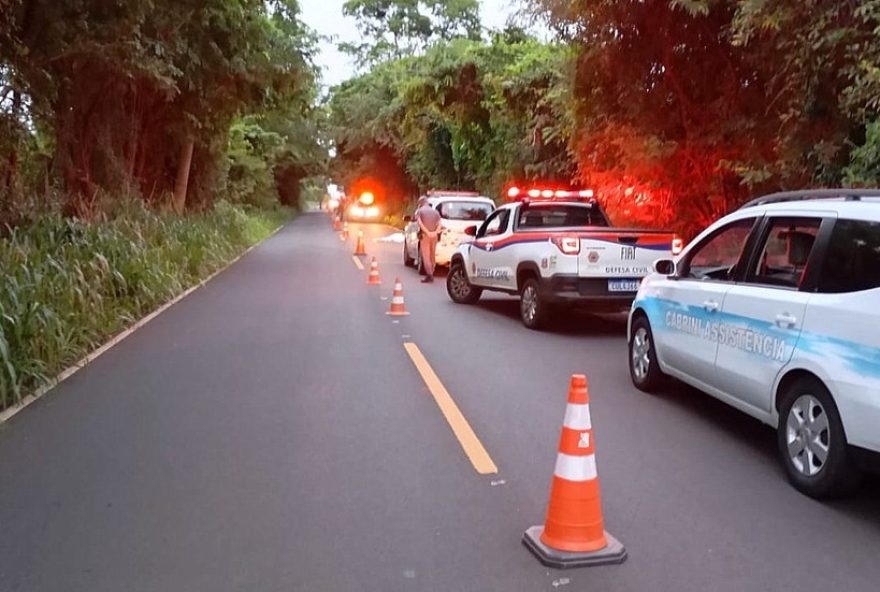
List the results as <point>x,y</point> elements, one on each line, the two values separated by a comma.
<point>674,110</point>
<point>105,99</point>
<point>68,284</point>
<point>464,115</point>
<point>692,105</point>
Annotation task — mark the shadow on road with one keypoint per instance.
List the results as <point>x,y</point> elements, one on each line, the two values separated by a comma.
<point>574,323</point>
<point>863,505</point>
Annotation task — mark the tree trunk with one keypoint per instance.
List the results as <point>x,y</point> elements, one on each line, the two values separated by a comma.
<point>11,176</point>
<point>186,154</point>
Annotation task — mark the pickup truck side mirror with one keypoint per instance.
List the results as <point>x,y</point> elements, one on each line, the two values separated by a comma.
<point>471,231</point>
<point>664,266</point>
<point>407,218</point>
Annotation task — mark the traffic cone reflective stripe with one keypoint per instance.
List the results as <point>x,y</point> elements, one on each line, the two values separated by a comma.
<point>373,279</point>
<point>573,534</point>
<point>398,306</point>
<point>359,249</point>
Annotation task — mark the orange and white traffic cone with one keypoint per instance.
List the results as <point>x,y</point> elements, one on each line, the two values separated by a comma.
<point>373,279</point>
<point>344,236</point>
<point>398,306</point>
<point>337,223</point>
<point>359,249</point>
<point>573,534</point>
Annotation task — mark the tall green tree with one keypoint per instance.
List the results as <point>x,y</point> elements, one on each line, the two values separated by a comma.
<point>465,115</point>
<point>392,29</point>
<point>142,94</point>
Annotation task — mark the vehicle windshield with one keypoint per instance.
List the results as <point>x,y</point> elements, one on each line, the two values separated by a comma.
<point>558,216</point>
<point>465,210</point>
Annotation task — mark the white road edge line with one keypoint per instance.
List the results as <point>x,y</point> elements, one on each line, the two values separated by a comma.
<point>116,340</point>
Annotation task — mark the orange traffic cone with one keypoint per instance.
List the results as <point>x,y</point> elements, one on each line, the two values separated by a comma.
<point>573,534</point>
<point>344,236</point>
<point>359,249</point>
<point>337,223</point>
<point>373,279</point>
<point>398,306</point>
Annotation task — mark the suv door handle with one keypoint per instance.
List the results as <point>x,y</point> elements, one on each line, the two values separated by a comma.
<point>711,306</point>
<point>786,321</point>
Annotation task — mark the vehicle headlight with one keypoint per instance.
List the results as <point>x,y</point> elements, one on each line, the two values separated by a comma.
<point>372,212</point>
<point>357,211</point>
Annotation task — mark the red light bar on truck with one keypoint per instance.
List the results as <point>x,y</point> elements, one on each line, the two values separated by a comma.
<point>562,194</point>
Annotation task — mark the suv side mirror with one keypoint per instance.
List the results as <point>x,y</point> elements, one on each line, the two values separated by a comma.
<point>471,231</point>
<point>407,218</point>
<point>664,266</point>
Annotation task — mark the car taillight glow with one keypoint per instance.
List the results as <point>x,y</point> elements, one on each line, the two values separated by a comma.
<point>677,245</point>
<point>534,193</point>
<point>570,245</point>
<point>513,192</point>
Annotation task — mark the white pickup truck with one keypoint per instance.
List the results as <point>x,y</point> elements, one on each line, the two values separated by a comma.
<point>556,253</point>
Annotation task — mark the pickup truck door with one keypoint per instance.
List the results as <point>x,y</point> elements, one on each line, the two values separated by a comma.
<point>491,264</point>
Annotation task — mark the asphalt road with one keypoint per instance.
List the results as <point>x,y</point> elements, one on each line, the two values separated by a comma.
<point>270,432</point>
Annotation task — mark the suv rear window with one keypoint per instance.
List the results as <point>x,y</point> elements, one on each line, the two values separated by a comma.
<point>464,210</point>
<point>562,216</point>
<point>852,263</point>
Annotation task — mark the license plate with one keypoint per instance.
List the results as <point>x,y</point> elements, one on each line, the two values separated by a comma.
<point>623,285</point>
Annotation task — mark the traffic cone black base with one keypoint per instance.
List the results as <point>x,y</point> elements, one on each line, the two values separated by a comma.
<point>614,553</point>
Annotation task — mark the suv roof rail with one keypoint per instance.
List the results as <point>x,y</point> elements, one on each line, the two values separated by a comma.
<point>807,194</point>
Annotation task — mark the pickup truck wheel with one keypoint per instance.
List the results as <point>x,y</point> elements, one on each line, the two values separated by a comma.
<point>459,287</point>
<point>407,260</point>
<point>644,371</point>
<point>534,311</point>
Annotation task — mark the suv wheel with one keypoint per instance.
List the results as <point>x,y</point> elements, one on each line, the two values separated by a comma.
<point>534,311</point>
<point>459,287</point>
<point>407,260</point>
<point>644,371</point>
<point>812,443</point>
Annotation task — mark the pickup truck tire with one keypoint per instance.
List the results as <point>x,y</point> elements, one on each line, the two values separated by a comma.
<point>644,371</point>
<point>407,260</point>
<point>812,443</point>
<point>535,312</point>
<point>459,287</point>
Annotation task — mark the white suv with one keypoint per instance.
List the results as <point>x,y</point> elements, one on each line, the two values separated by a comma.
<point>775,310</point>
<point>459,210</point>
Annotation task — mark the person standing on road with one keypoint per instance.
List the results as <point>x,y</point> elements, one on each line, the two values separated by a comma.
<point>429,234</point>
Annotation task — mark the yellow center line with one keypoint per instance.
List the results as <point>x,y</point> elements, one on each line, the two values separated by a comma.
<point>357,263</point>
<point>472,446</point>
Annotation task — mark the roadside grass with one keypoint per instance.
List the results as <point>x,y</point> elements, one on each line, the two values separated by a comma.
<point>66,285</point>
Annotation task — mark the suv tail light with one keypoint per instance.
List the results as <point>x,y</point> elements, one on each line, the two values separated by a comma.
<point>677,244</point>
<point>570,245</point>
